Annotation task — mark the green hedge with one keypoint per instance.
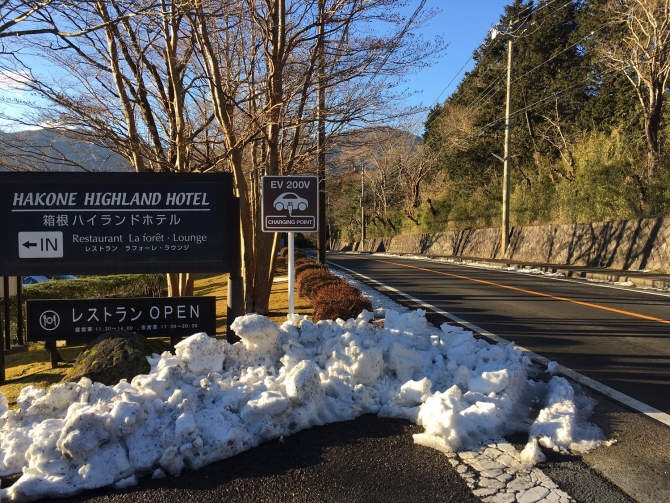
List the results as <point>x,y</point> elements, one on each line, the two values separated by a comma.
<point>90,287</point>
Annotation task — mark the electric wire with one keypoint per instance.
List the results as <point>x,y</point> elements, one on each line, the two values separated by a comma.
<point>553,96</point>
<point>486,95</point>
<point>479,100</point>
<point>482,97</point>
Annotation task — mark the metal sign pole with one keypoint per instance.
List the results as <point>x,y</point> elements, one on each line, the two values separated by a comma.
<point>2,353</point>
<point>8,336</point>
<point>291,273</point>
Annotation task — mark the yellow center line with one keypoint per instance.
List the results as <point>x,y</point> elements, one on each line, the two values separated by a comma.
<point>532,292</point>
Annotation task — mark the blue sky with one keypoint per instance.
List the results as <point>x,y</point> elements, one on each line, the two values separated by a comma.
<point>464,25</point>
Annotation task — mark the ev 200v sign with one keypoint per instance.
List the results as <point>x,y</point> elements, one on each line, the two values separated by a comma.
<point>290,203</point>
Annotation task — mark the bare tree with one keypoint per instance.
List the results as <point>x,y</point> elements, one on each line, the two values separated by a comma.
<point>129,85</point>
<point>639,48</point>
<point>261,59</point>
<point>14,12</point>
<point>396,164</point>
<point>210,85</point>
<point>25,18</point>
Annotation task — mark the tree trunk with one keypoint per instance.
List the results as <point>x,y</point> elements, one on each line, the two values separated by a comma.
<point>641,193</point>
<point>180,284</point>
<point>131,126</point>
<point>652,124</point>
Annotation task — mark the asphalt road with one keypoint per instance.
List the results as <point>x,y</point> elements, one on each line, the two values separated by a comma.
<point>619,337</point>
<point>370,459</point>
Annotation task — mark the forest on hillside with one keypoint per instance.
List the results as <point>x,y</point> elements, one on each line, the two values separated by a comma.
<point>588,129</point>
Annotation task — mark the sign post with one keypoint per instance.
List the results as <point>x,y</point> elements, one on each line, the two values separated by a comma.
<point>235,298</point>
<point>290,204</point>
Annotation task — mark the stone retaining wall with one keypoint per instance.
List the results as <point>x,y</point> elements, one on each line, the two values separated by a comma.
<point>631,244</point>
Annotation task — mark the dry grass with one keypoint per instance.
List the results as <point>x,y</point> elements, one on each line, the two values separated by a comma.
<point>279,303</point>
<point>33,367</point>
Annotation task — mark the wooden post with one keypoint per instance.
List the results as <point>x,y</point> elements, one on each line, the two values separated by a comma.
<point>504,238</point>
<point>55,356</point>
<point>19,307</point>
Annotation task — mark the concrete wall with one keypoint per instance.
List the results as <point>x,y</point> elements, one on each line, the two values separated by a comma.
<point>631,244</point>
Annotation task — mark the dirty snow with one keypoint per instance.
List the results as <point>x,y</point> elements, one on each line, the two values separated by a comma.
<point>211,400</point>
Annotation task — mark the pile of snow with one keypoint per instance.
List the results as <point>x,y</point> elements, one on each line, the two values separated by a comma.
<point>212,400</point>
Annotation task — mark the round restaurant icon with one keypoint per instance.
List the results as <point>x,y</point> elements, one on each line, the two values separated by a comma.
<point>49,320</point>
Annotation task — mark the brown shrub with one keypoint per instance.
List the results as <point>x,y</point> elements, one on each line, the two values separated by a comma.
<point>307,276</point>
<point>301,260</point>
<point>314,288</point>
<point>281,264</point>
<point>303,266</point>
<point>312,280</point>
<point>297,253</point>
<point>339,300</point>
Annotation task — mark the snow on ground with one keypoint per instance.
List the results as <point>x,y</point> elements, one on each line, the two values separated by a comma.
<point>212,400</point>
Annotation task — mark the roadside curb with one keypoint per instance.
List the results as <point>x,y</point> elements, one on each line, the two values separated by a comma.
<point>637,279</point>
<point>642,279</point>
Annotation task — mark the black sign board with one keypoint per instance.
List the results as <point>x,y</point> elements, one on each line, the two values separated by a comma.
<point>51,320</point>
<point>110,223</point>
<point>290,203</point>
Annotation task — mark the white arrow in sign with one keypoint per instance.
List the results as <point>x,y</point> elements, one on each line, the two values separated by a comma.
<point>40,245</point>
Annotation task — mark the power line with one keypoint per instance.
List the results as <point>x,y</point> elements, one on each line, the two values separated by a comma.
<point>450,82</point>
<point>486,95</point>
<point>484,92</point>
<point>553,96</point>
<point>558,54</point>
<point>541,64</point>
<point>523,22</point>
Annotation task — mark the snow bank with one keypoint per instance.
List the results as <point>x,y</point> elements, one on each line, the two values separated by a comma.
<point>212,400</point>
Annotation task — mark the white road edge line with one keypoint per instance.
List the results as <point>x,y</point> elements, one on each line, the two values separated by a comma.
<point>481,266</point>
<point>626,400</point>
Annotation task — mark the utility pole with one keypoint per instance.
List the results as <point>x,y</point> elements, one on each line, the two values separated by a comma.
<point>320,140</point>
<point>320,144</point>
<point>362,207</point>
<point>504,243</point>
<point>506,33</point>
